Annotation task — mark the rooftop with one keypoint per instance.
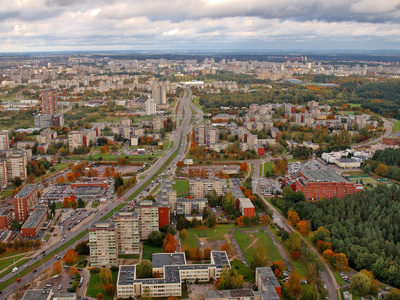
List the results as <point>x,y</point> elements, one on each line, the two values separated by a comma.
<point>26,190</point>
<point>245,202</point>
<point>228,294</point>
<point>323,175</point>
<point>347,160</point>
<point>168,259</point>
<point>101,226</point>
<point>44,294</point>
<point>35,218</point>
<point>191,200</point>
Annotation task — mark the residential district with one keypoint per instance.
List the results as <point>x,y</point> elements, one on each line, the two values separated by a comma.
<point>133,179</point>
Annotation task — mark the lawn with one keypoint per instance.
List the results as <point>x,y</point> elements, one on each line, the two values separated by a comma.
<point>59,167</point>
<point>239,266</point>
<point>365,180</point>
<point>251,170</point>
<point>338,278</point>
<point>213,234</point>
<point>355,104</point>
<point>260,239</point>
<point>59,205</point>
<point>268,168</point>
<point>95,286</point>
<point>261,174</point>
<point>182,187</point>
<point>5,193</point>
<point>6,262</point>
<point>47,237</point>
<point>95,204</point>
<point>149,250</point>
<point>396,126</point>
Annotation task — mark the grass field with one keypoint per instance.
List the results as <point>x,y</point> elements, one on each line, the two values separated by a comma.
<point>59,167</point>
<point>181,187</point>
<point>365,180</point>
<point>149,250</point>
<point>214,234</point>
<point>268,167</point>
<point>6,262</point>
<point>261,173</point>
<point>95,286</point>
<point>95,204</point>
<point>5,193</point>
<point>396,126</point>
<point>355,104</point>
<point>239,266</point>
<point>251,170</point>
<point>338,278</point>
<point>261,239</point>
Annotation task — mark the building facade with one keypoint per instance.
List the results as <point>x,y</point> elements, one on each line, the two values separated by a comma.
<point>25,201</point>
<point>49,101</point>
<point>103,244</point>
<point>199,188</point>
<point>35,222</point>
<point>127,232</point>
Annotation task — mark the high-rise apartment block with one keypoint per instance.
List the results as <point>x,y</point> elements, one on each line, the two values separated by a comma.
<point>4,142</point>
<point>81,138</point>
<point>152,217</point>
<point>16,165</point>
<point>127,231</point>
<point>206,134</point>
<point>58,121</point>
<point>189,206</point>
<point>49,101</point>
<point>42,121</point>
<point>103,244</point>
<point>3,173</point>
<point>25,201</point>
<point>151,107</point>
<point>159,94</point>
<point>199,188</point>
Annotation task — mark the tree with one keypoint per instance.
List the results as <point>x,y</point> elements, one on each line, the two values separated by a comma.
<point>168,229</point>
<point>259,258</point>
<point>293,217</point>
<point>207,253</point>
<point>73,271</point>
<point>17,181</point>
<point>109,289</point>
<point>243,167</point>
<point>106,275</point>
<point>144,269</point>
<point>294,284</point>
<point>225,248</point>
<point>57,268</point>
<point>308,292</point>
<point>339,261</point>
<point>381,170</point>
<point>155,239</point>
<point>294,243</point>
<point>82,248</point>
<point>183,234</point>
<point>100,296</point>
<point>118,181</point>
<point>81,203</point>
<point>229,279</point>
<point>393,295</point>
<point>70,257</point>
<point>182,223</point>
<point>169,243</point>
<point>69,202</point>
<point>360,283</point>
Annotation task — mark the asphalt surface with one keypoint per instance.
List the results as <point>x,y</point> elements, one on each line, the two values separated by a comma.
<point>185,114</point>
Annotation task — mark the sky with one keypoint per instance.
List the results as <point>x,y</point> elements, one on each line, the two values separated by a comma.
<point>217,25</point>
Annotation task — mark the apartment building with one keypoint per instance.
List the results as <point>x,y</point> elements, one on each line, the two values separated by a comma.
<point>16,163</point>
<point>58,121</point>
<point>174,272</point>
<point>158,124</point>
<point>42,121</point>
<point>25,201</point>
<point>49,101</point>
<point>152,217</point>
<point>246,207</point>
<point>151,107</point>
<point>206,134</point>
<point>4,142</point>
<point>5,218</point>
<point>186,206</point>
<point>82,138</point>
<point>35,222</point>
<point>159,94</point>
<point>199,188</point>
<point>267,283</point>
<point>3,173</point>
<point>103,244</point>
<point>127,231</point>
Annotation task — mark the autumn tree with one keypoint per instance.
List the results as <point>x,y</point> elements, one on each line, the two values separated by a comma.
<point>57,268</point>
<point>339,261</point>
<point>183,234</point>
<point>259,258</point>
<point>243,167</point>
<point>382,170</point>
<point>304,227</point>
<point>360,283</point>
<point>293,243</point>
<point>69,202</point>
<point>106,275</point>
<point>70,257</point>
<point>308,292</point>
<point>293,217</point>
<point>207,253</point>
<point>100,296</point>
<point>293,284</point>
<point>278,267</point>
<point>225,248</point>
<point>230,279</point>
<point>109,289</point>
<point>169,243</point>
<point>73,271</point>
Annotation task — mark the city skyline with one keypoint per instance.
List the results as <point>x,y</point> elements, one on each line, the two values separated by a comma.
<point>215,25</point>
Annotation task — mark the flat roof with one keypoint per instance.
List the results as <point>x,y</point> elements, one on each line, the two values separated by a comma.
<point>323,175</point>
<point>228,294</point>
<point>26,190</point>
<point>44,294</point>
<point>347,160</point>
<point>191,200</point>
<point>168,259</point>
<point>246,202</point>
<point>101,226</point>
<point>35,217</point>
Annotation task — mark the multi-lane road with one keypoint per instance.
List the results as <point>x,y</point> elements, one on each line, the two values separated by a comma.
<point>184,127</point>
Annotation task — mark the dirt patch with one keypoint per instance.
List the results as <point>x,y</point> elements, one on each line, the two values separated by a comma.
<point>253,243</point>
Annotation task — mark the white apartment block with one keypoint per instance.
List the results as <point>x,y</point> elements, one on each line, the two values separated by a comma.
<point>206,134</point>
<point>150,107</point>
<point>103,244</point>
<point>199,188</point>
<point>74,139</point>
<point>174,272</point>
<point>3,173</point>
<point>148,218</point>
<point>185,206</point>
<point>16,166</point>
<point>4,142</point>
<point>127,231</point>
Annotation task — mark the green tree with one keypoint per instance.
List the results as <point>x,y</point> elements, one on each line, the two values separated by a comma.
<point>155,239</point>
<point>308,292</point>
<point>360,284</point>
<point>82,248</point>
<point>81,203</point>
<point>393,295</point>
<point>144,269</point>
<point>230,279</point>
<point>183,234</point>
<point>259,258</point>
<point>106,275</point>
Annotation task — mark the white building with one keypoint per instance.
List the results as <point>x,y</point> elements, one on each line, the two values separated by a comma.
<point>150,107</point>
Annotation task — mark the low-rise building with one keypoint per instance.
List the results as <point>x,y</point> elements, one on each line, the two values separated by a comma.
<point>199,188</point>
<point>34,223</point>
<point>173,275</point>
<point>47,294</point>
<point>246,207</point>
<point>347,163</point>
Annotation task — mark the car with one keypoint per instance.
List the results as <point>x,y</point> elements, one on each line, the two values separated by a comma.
<point>34,271</point>
<point>62,240</point>
<point>55,276</point>
<point>70,282</point>
<point>19,280</point>
<point>34,258</point>
<point>60,287</point>
<point>14,270</point>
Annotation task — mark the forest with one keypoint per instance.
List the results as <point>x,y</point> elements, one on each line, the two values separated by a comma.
<point>364,226</point>
<point>385,163</point>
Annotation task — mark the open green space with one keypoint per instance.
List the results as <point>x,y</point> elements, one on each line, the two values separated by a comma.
<point>239,266</point>
<point>95,285</point>
<point>212,234</point>
<point>268,168</point>
<point>59,167</point>
<point>251,170</point>
<point>5,193</point>
<point>47,237</point>
<point>248,242</point>
<point>365,180</point>
<point>396,126</point>
<point>354,104</point>
<point>276,207</point>
<point>338,278</point>
<point>6,262</point>
<point>261,170</point>
<point>18,264</point>
<point>149,250</point>
<point>59,205</point>
<point>95,204</point>
<point>181,187</point>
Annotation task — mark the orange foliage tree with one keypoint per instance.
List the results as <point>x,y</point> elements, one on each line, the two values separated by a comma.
<point>277,267</point>
<point>293,217</point>
<point>243,167</point>
<point>70,257</point>
<point>339,261</point>
<point>69,202</point>
<point>304,227</point>
<point>109,289</point>
<point>207,253</point>
<point>57,268</point>
<point>225,248</point>
<point>169,243</point>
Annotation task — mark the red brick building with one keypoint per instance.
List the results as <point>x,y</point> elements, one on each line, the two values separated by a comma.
<point>163,216</point>
<point>246,207</point>
<point>25,201</point>
<point>5,218</point>
<point>34,223</point>
<point>49,101</point>
<point>393,140</point>
<point>324,183</point>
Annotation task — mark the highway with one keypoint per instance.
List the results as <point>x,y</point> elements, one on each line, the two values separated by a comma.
<point>184,128</point>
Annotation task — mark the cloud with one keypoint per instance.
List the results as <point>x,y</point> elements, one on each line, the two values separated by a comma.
<point>178,24</point>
